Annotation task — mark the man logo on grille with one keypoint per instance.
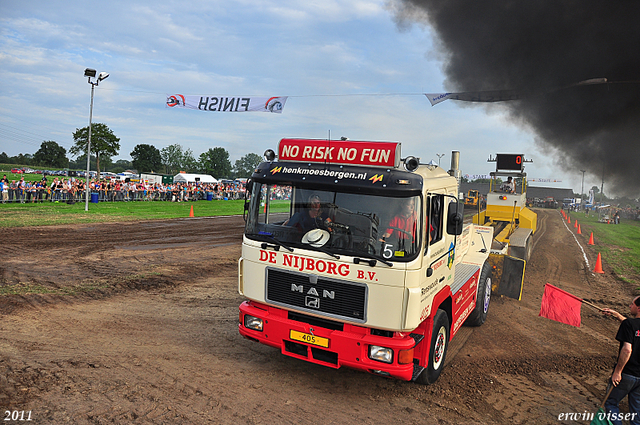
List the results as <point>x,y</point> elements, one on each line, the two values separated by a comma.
<point>313,291</point>
<point>312,302</point>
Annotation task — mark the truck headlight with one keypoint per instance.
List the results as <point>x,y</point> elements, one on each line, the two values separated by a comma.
<point>381,354</point>
<point>252,323</point>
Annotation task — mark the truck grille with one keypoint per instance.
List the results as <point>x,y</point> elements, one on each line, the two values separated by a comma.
<point>332,298</point>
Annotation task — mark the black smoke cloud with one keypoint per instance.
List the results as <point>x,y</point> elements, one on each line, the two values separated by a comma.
<point>541,48</point>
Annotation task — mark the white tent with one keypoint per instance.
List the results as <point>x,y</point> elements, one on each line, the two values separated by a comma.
<point>191,178</point>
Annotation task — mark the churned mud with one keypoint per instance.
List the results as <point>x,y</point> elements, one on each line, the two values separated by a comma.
<point>137,323</point>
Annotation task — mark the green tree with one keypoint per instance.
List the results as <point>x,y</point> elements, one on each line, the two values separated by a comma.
<point>216,162</point>
<point>51,154</point>
<point>103,142</point>
<point>189,163</point>
<point>146,158</point>
<point>80,163</point>
<point>172,158</point>
<point>121,165</point>
<point>106,162</point>
<point>245,166</point>
<point>176,159</point>
<point>4,158</point>
<point>124,164</point>
<point>22,159</point>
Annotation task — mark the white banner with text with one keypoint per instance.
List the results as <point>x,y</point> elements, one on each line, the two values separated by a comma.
<point>273,104</point>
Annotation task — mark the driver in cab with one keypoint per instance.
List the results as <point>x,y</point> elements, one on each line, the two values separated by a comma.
<point>403,225</point>
<point>311,217</point>
<point>509,186</point>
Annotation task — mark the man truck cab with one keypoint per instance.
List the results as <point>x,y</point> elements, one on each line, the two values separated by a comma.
<point>358,286</point>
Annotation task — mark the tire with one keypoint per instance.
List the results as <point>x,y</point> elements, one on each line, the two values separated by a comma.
<point>479,313</point>
<point>523,252</point>
<point>528,248</point>
<point>437,349</point>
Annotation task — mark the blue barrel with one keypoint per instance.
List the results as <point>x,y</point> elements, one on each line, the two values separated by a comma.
<point>209,196</point>
<point>95,197</point>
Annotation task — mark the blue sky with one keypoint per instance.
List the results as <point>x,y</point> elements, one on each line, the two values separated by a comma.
<point>346,66</point>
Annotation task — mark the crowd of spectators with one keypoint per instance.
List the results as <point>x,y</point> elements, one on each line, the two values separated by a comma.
<point>111,190</point>
<point>629,213</point>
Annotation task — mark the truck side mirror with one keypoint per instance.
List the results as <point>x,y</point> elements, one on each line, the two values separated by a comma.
<point>454,218</point>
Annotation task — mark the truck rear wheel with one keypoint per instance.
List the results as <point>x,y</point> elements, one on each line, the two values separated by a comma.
<point>437,349</point>
<point>479,313</point>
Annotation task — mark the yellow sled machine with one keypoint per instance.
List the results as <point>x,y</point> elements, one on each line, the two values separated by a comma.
<point>514,224</point>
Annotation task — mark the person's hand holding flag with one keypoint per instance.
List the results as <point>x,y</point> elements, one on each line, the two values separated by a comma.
<point>609,312</point>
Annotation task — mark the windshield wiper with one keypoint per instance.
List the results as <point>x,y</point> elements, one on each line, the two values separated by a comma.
<point>373,260</point>
<point>324,250</point>
<point>271,239</point>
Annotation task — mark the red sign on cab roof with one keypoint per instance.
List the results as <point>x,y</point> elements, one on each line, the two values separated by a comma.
<point>350,152</point>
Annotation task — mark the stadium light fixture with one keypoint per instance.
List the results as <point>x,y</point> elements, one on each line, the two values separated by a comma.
<point>91,73</point>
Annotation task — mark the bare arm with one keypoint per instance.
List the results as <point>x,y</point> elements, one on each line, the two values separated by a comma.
<point>623,358</point>
<point>609,312</point>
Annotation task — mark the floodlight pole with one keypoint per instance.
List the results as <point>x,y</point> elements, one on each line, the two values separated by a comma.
<point>582,190</point>
<point>439,155</point>
<point>602,187</point>
<point>91,73</point>
<point>86,204</point>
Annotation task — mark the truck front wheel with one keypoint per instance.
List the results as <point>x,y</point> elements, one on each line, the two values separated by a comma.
<point>437,349</point>
<point>479,313</point>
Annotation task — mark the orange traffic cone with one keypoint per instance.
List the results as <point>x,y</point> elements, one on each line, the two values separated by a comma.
<point>191,213</point>
<point>579,231</point>
<point>591,240</point>
<point>568,219</point>
<point>576,223</point>
<point>598,268</point>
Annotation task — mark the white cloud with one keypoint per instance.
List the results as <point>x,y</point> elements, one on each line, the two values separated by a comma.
<point>322,11</point>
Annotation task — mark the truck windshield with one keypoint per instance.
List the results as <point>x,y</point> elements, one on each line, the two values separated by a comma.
<point>336,222</point>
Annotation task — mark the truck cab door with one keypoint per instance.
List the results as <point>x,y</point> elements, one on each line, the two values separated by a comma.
<point>440,245</point>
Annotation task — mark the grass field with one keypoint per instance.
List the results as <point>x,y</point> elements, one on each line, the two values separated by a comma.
<point>48,213</point>
<point>28,177</point>
<point>619,244</point>
<point>279,206</point>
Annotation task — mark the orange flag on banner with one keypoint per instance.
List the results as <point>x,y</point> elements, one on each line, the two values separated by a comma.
<point>560,306</point>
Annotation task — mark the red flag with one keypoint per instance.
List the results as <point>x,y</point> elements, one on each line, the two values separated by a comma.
<point>560,306</point>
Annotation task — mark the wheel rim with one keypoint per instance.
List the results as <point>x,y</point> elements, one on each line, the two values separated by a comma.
<point>441,343</point>
<point>487,294</point>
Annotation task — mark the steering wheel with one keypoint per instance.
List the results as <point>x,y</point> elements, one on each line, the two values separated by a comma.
<point>401,231</point>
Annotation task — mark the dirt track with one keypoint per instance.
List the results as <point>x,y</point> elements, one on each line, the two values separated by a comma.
<point>141,327</point>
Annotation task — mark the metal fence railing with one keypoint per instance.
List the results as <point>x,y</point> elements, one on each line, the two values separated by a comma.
<point>61,195</point>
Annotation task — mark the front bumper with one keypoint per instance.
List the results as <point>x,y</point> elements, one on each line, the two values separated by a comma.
<point>348,345</point>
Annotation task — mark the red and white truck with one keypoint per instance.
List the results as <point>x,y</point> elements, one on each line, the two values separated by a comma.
<point>353,256</point>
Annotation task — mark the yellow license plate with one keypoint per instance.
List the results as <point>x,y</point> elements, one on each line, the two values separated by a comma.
<point>309,339</point>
